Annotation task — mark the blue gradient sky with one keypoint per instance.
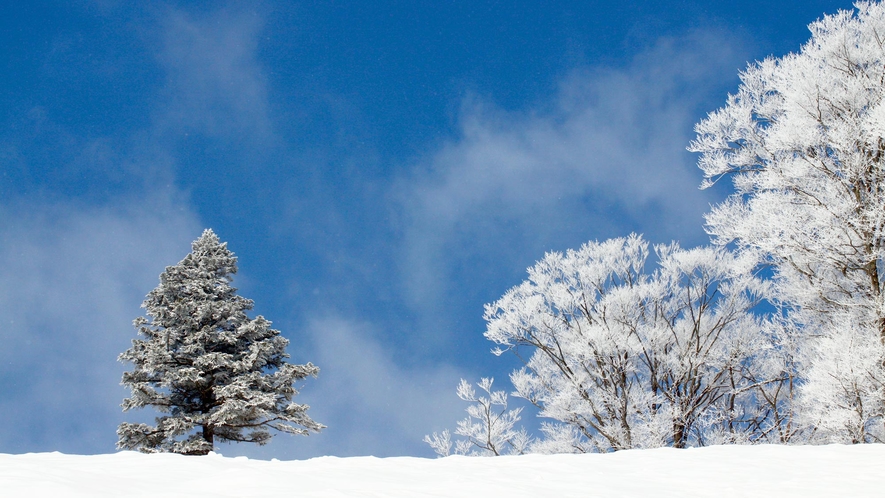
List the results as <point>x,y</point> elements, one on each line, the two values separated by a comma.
<point>382,170</point>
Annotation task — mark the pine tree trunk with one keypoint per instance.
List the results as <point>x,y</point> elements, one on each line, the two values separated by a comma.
<point>209,436</point>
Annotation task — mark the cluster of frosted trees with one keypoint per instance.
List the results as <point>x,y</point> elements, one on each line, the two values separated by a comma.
<point>773,334</point>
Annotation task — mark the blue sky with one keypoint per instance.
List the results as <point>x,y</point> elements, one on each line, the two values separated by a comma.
<point>381,169</point>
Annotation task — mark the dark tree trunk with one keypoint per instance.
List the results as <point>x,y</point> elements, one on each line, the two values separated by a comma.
<point>209,436</point>
<point>679,435</point>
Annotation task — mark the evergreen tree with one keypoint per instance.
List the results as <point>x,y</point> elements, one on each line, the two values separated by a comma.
<point>205,365</point>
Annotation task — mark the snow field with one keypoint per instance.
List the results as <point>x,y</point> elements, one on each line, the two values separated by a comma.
<point>718,471</point>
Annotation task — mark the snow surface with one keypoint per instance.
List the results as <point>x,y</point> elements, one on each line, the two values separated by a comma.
<point>713,471</point>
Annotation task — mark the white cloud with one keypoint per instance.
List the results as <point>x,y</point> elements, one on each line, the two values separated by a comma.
<point>71,286</point>
<point>215,85</point>
<point>371,403</point>
<point>605,156</point>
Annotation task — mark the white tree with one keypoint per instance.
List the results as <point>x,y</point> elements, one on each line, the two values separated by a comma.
<point>206,365</point>
<point>804,142</point>
<point>487,429</point>
<point>624,359</point>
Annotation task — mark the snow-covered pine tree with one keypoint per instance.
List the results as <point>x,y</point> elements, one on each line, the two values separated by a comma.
<point>214,373</point>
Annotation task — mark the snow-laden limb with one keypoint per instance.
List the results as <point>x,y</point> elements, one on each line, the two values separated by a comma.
<point>561,438</point>
<point>205,365</point>
<point>440,442</point>
<point>625,359</point>
<point>488,429</point>
<point>853,398</point>
<point>803,140</point>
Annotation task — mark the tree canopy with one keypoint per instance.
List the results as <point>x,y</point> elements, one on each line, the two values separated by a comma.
<point>803,140</point>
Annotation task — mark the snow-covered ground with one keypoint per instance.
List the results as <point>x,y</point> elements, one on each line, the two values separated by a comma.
<point>755,471</point>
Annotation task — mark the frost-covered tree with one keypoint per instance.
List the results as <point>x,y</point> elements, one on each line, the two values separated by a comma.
<point>215,374</point>
<point>488,428</point>
<point>626,359</point>
<point>803,140</point>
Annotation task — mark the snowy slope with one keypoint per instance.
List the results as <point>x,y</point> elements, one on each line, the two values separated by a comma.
<point>715,471</point>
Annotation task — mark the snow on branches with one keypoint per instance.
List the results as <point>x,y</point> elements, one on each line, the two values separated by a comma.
<point>622,358</point>
<point>803,140</point>
<point>625,359</point>
<point>205,365</point>
<point>488,431</point>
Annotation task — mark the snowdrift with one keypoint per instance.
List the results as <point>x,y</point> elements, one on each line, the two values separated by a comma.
<point>714,471</point>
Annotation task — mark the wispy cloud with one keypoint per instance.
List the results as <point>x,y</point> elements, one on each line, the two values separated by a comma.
<point>69,290</point>
<point>214,83</point>
<point>371,402</point>
<point>604,155</point>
